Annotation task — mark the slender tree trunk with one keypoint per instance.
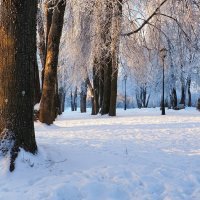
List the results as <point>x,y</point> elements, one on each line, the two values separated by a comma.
<point>49,11</point>
<point>61,101</point>
<point>37,91</point>
<point>75,99</point>
<point>17,63</point>
<point>72,102</point>
<point>95,102</point>
<point>48,93</point>
<point>83,97</point>
<point>41,35</point>
<point>101,81</point>
<point>91,89</point>
<point>189,92</point>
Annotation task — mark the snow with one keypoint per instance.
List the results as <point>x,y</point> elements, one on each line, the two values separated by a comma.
<point>138,155</point>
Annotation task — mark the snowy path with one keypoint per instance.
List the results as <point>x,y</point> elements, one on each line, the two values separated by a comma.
<point>139,155</point>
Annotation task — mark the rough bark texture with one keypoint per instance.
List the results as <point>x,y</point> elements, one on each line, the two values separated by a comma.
<point>17,63</point>
<point>107,58</point>
<point>49,11</point>
<point>116,31</point>
<point>47,114</point>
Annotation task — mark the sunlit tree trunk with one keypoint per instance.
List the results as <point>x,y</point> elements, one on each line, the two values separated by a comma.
<point>17,63</point>
<point>47,114</point>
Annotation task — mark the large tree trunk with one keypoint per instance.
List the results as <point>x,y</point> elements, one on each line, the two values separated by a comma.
<point>107,58</point>
<point>47,101</point>
<point>116,31</point>
<point>17,63</point>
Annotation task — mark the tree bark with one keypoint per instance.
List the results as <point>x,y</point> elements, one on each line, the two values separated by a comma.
<point>182,101</point>
<point>116,31</point>
<point>101,82</point>
<point>83,97</point>
<point>95,101</point>
<point>75,99</point>
<point>47,101</point>
<point>106,57</point>
<point>17,63</point>
<point>41,36</point>
<point>37,91</point>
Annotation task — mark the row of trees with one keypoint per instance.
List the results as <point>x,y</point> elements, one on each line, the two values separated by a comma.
<point>81,45</point>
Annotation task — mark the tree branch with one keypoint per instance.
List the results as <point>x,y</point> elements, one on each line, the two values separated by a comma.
<point>147,20</point>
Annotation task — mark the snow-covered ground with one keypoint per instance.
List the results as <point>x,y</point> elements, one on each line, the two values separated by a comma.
<point>138,155</point>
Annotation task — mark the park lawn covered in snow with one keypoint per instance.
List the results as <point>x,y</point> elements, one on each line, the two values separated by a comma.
<point>138,155</point>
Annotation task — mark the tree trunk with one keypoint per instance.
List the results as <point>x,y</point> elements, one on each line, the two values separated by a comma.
<point>75,99</point>
<point>189,92</point>
<point>182,101</point>
<point>41,35</point>
<point>17,63</point>
<point>107,87</point>
<point>48,93</point>
<point>174,98</point>
<point>72,102</point>
<point>37,91</point>
<point>116,31</point>
<point>106,58</point>
<point>49,11</point>
<point>83,97</point>
<point>61,101</point>
<point>101,81</point>
<point>95,101</point>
